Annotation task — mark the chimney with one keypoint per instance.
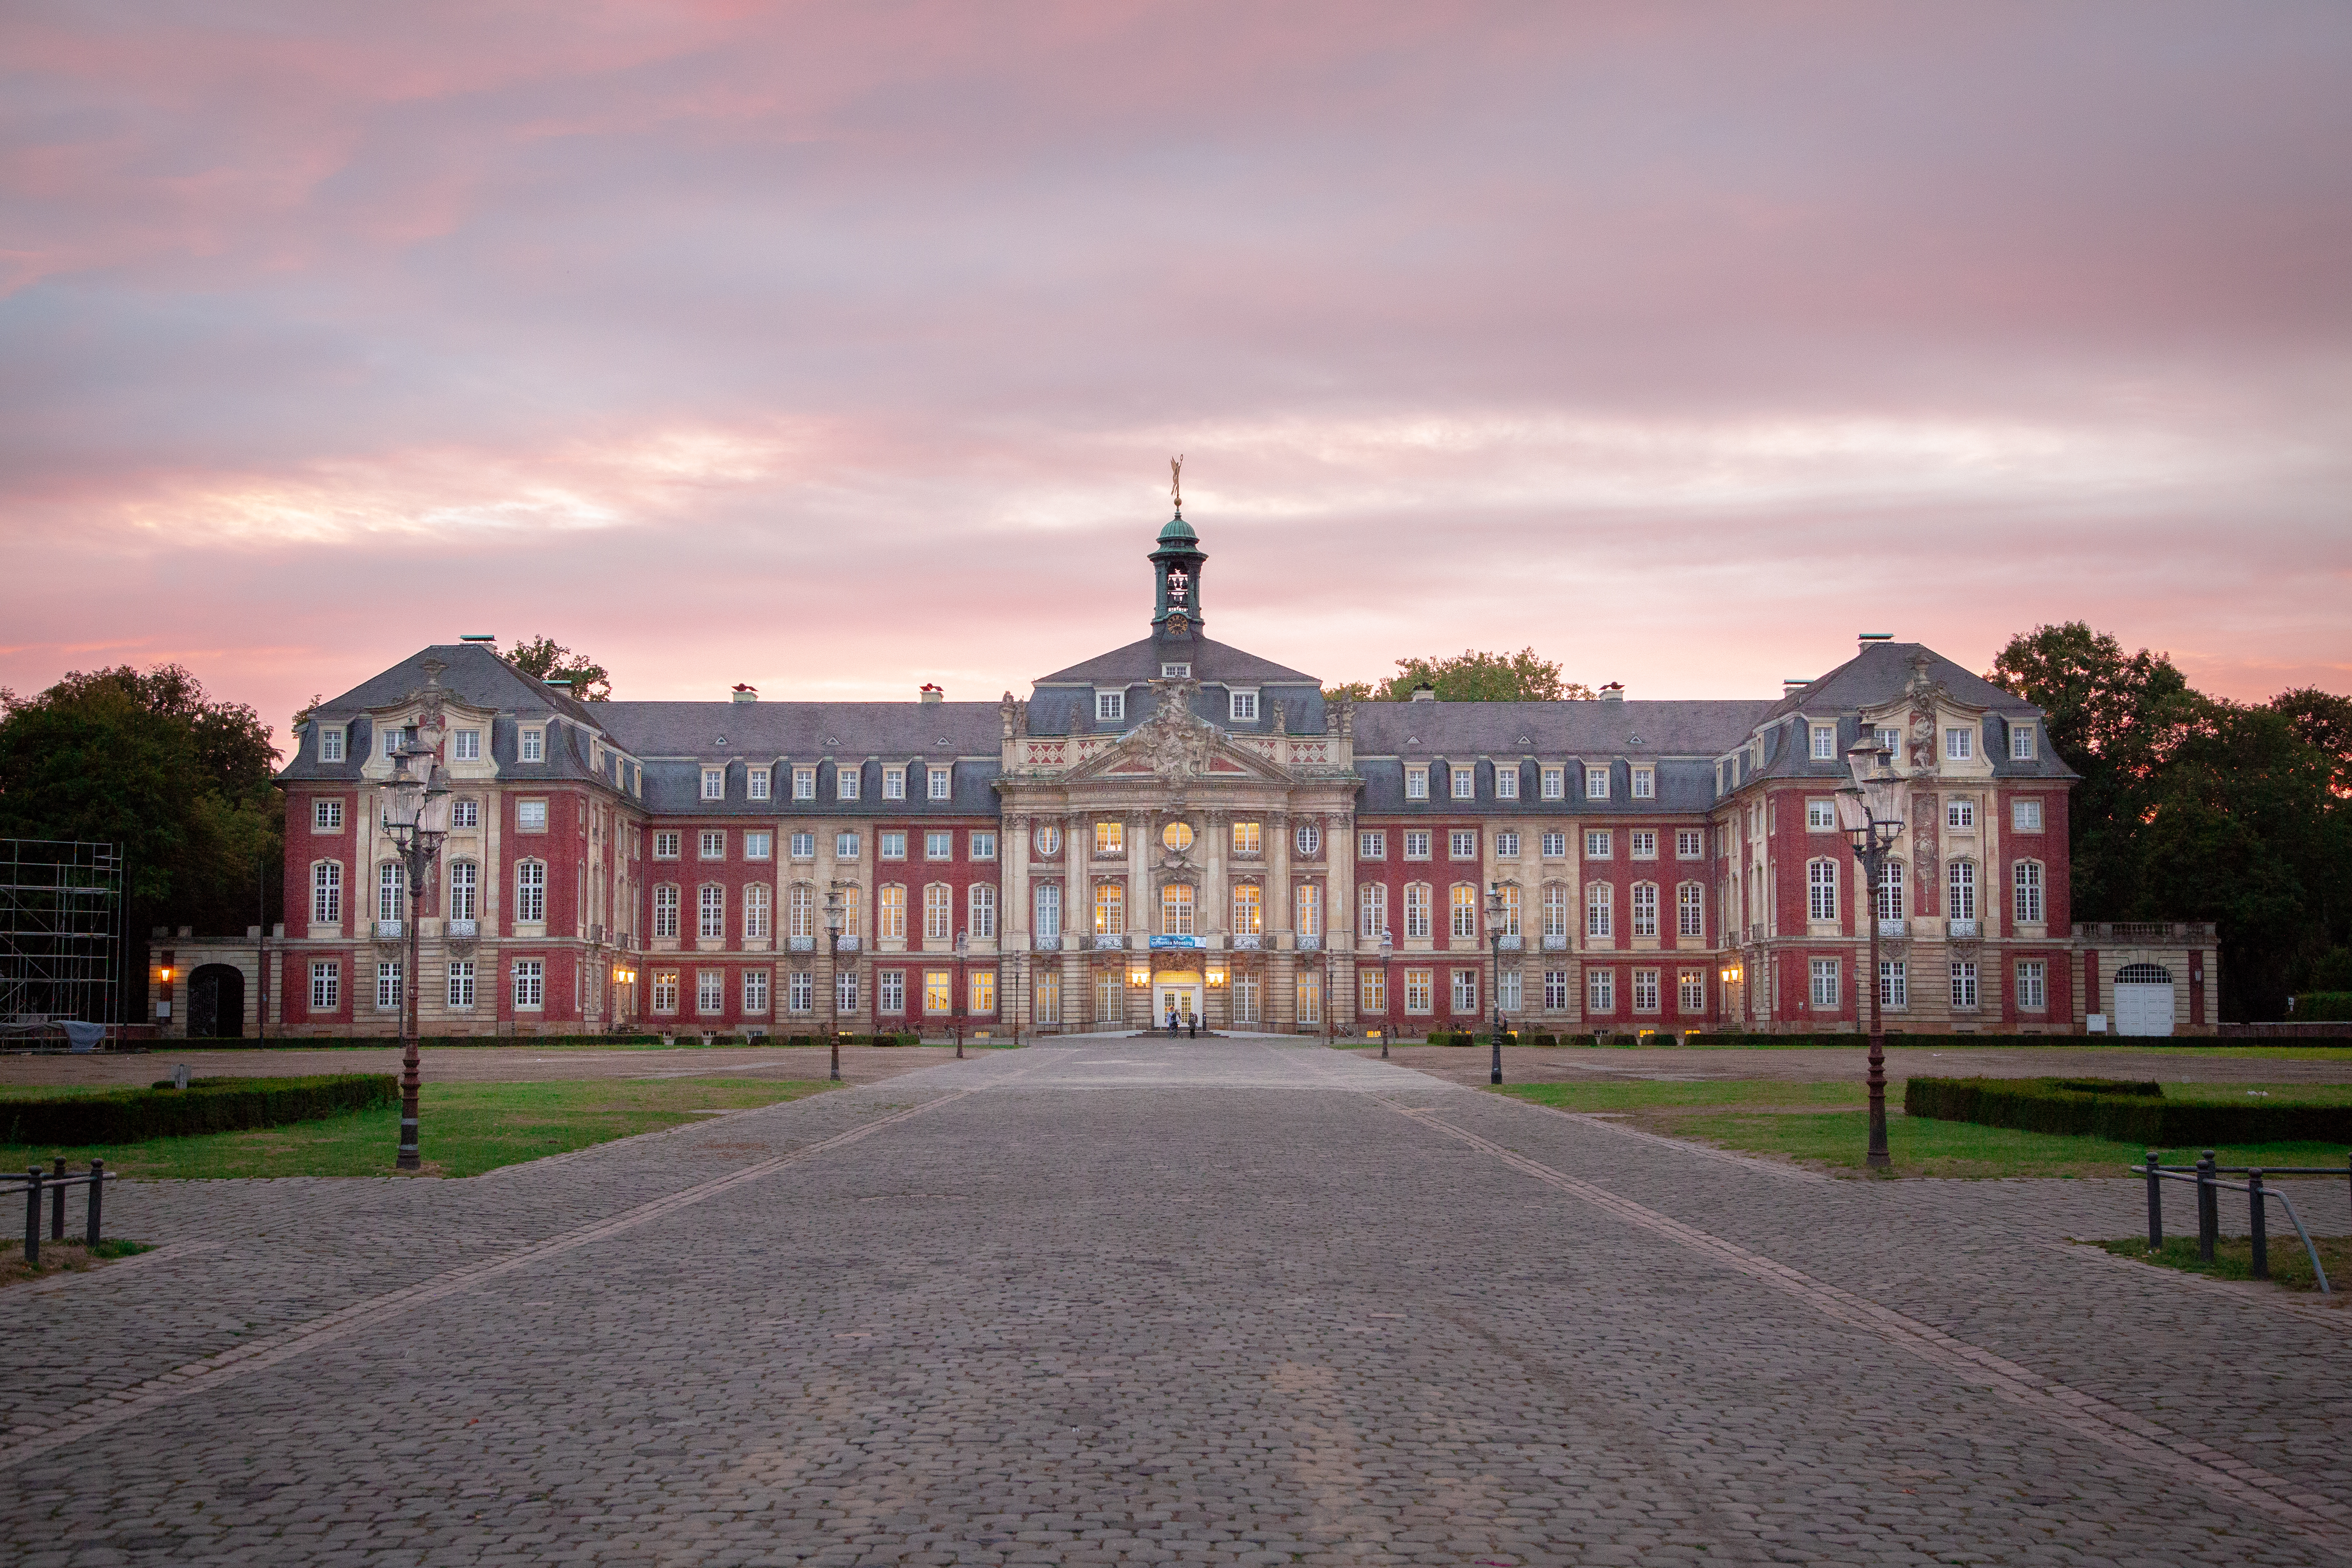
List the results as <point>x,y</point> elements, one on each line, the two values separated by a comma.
<point>933,694</point>
<point>1792,684</point>
<point>1866,639</point>
<point>746,693</point>
<point>1424,692</point>
<point>561,682</point>
<point>1613,692</point>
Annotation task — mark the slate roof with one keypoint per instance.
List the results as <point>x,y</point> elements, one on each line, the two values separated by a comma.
<point>1880,672</point>
<point>1211,662</point>
<point>803,729</point>
<point>1691,727</point>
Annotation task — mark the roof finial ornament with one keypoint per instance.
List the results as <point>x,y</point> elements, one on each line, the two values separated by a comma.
<point>1176,481</point>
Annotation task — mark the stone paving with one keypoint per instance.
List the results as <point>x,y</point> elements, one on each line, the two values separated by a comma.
<point>1130,1301</point>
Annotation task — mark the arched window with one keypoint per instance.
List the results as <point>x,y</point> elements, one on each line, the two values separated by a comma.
<point>1600,909</point>
<point>464,884</point>
<point>1176,909</point>
<point>1049,911</point>
<point>1373,909</point>
<point>2025,877</point>
<point>756,912</point>
<point>1690,910</point>
<point>939,912</point>
<point>893,916</point>
<point>531,890</point>
<point>713,922</point>
<point>1821,890</point>
<point>1249,909</point>
<point>666,911</point>
<point>1646,908</point>
<point>387,891</point>
<point>1416,909</point>
<point>1510,910</point>
<point>327,892</point>
<point>980,907</point>
<point>1961,891</point>
<point>1890,890</point>
<point>1555,909</point>
<point>1463,899</point>
<point>2143,974</point>
<point>800,910</point>
<point>851,897</point>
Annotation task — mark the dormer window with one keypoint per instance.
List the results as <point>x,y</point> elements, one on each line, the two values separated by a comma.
<point>756,782</point>
<point>1243,706</point>
<point>1596,783</point>
<point>1506,782</point>
<point>330,744</point>
<point>1416,784</point>
<point>804,782</point>
<point>1824,742</point>
<point>532,746</point>
<point>714,783</point>
<point>941,782</point>
<point>466,746</point>
<point>1110,707</point>
<point>2021,741</point>
<point>1645,783</point>
<point>847,780</point>
<point>1175,672</point>
<point>894,783</point>
<point>1960,744</point>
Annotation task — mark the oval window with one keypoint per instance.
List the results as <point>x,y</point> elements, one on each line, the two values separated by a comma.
<point>1177,836</point>
<point>1049,842</point>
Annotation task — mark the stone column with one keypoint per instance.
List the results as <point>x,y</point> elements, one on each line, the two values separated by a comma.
<point>1340,855</point>
<point>1142,916</point>
<point>1280,1008</point>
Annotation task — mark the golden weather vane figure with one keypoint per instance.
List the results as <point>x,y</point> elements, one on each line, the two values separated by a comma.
<point>1176,479</point>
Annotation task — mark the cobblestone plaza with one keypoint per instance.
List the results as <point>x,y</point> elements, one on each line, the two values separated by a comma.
<point>1125,1301</point>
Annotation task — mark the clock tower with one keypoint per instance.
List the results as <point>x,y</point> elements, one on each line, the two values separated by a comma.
<point>1176,568</point>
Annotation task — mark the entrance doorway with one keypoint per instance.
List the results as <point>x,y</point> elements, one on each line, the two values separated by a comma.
<point>215,1003</point>
<point>1180,992</point>
<point>2143,999</point>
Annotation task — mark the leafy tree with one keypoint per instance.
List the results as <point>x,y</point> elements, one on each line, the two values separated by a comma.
<point>150,763</point>
<point>544,659</point>
<point>1470,677</point>
<point>2324,722</point>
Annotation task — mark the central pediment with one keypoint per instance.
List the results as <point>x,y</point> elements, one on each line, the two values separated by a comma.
<point>1177,746</point>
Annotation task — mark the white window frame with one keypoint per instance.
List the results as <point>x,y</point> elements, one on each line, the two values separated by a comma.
<point>457,984</point>
<point>389,993</point>
<point>1645,783</point>
<point>1555,990</point>
<point>1825,984</point>
<point>1417,842</point>
<point>1596,783</point>
<point>710,844</point>
<point>2024,742</point>
<point>1506,782</point>
<point>663,996</point>
<point>530,892</point>
<point>709,992</point>
<point>1465,993</point>
<point>2032,985</point>
<point>1647,990</point>
<point>1960,814</point>
<point>1600,912</point>
<point>530,744</point>
<point>939,782</point>
<point>1555,845</point>
<point>849,779</point>
<point>894,782</point>
<point>1600,844</point>
<point>982,847</point>
<point>980,911</point>
<point>805,781</point>
<point>666,843</point>
<point>803,846</point>
<point>1110,707</point>
<point>1965,993</point>
<point>711,912</point>
<point>845,846</point>
<point>1641,844</point>
<point>331,742</point>
<point>759,845</point>
<point>1416,784</point>
<point>1824,742</point>
<point>1690,910</point>
<point>1690,991</point>
<point>714,783</point>
<point>1309,838</point>
<point>1821,816</point>
<point>1555,783</point>
<point>665,909</point>
<point>2027,905</point>
<point>1600,989</point>
<point>529,977</point>
<point>530,816</point>
<point>1372,845</point>
<point>1416,910</point>
<point>465,745</point>
<point>1643,909</point>
<point>1465,783</point>
<point>939,844</point>
<point>326,816</point>
<point>1690,844</point>
<point>754,993</point>
<point>2025,815</point>
<point>1894,984</point>
<point>1241,705</point>
<point>1821,890</point>
<point>891,845</point>
<point>1506,846</point>
<point>1171,671</point>
<point>1959,743</point>
<point>757,781</point>
<point>466,813</point>
<point>1461,844</point>
<point>757,919</point>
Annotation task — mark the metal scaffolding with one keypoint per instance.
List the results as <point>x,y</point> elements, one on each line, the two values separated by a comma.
<point>61,933</point>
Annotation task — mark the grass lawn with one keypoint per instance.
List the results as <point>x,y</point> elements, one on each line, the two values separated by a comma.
<point>467,1128</point>
<point>2233,1255</point>
<point>65,1257</point>
<point>1748,1116</point>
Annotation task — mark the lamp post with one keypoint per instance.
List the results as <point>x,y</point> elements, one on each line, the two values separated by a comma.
<point>960,1004</point>
<point>1870,810</point>
<point>832,917</point>
<point>415,818</point>
<point>1494,908</point>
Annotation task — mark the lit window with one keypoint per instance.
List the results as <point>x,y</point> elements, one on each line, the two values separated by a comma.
<point>1111,909</point>
<point>714,783</point>
<point>1177,836</point>
<point>466,746</point>
<point>1821,816</point>
<point>666,845</point>
<point>1466,783</point>
<point>1596,783</point>
<point>1049,843</point>
<point>530,816</point>
<point>1691,991</point>
<point>530,983</point>
<point>1645,783</point>
<point>1110,707</point>
<point>1309,910</point>
<point>1243,706</point>
<point>713,843</point>
<point>1371,991</point>
<point>756,782</point>
<point>1309,992</point>
<point>1249,909</point>
<point>1461,844</point>
<point>800,910</point>
<point>1510,918</point>
<point>1045,997</point>
<point>1371,846</point>
<point>1824,972</point>
<point>942,782</point>
<point>1246,838</point>
<point>1599,844</point>
<point>1417,987</point>
<point>1416,784</point>
<point>326,987</point>
<point>890,921</point>
<point>939,991</point>
<point>1176,909</point>
<point>2025,815</point>
<point>980,993</point>
<point>534,746</point>
<point>1555,785</point>
<point>1110,839</point>
<point>1821,890</point>
<point>2021,741</point>
<point>1506,782</point>
<point>1960,744</point>
<point>330,744</point>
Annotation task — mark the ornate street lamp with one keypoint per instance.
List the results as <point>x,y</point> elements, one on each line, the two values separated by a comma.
<point>834,910</point>
<point>1495,908</point>
<point>415,818</point>
<point>1870,810</point>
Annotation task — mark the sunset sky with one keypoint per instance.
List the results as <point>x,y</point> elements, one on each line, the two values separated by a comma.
<point>840,348</point>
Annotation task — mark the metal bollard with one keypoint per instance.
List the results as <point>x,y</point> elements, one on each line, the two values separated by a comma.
<point>33,1215</point>
<point>2256,1227</point>
<point>2209,1208</point>
<point>97,1187</point>
<point>2155,1205</point>
<point>58,1201</point>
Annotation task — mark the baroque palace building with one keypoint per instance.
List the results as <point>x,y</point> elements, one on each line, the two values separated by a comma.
<point>1179,824</point>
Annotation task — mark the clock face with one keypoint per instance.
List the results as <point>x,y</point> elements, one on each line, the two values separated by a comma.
<point>1178,624</point>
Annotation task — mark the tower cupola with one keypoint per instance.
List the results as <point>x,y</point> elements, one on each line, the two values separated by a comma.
<point>1176,562</point>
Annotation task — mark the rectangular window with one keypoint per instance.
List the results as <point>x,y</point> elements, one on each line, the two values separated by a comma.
<point>2025,878</point>
<point>1555,783</point>
<point>1248,838</point>
<point>1646,908</point>
<point>387,987</point>
<point>1825,984</point>
<point>894,783</point>
<point>1690,991</point>
<point>1642,844</point>
<point>326,987</point>
<point>1596,783</point>
<point>1960,744</point>
<point>712,913</point>
<point>845,847</point>
<point>844,991</point>
<point>665,912</point>
<point>1964,983</point>
<point>2025,815</point>
<point>388,888</point>
<point>530,816</point>
<point>803,846</point>
<point>531,890</point>
<point>1462,903</point>
<point>532,746</point>
<point>709,990</point>
<point>1466,783</point>
<point>1506,991</point>
<point>1820,816</point>
<point>759,846</point>
<point>755,991</point>
<point>1824,742</point>
<point>2032,993</point>
<point>1310,998</point>
<point>1110,707</point>
<point>1465,991</point>
<point>941,782</point>
<point>1645,783</point>
<point>1045,997</point>
<point>529,983</point>
<point>1371,910</point>
<point>939,912</point>
<point>1371,991</point>
<point>891,845</point>
<point>666,845</point>
<point>1111,909</point>
<point>1416,909</point>
<point>1555,911</point>
<point>849,778</point>
<point>466,746</point>
<point>756,915</point>
<point>1110,998</point>
<point>1461,844</point>
<point>665,997</point>
<point>890,991</point>
<point>983,845</point>
<point>712,844</point>
<point>1645,991</point>
<point>980,911</point>
<point>1506,846</point>
<point>1960,813</point>
<point>939,846</point>
<point>1600,911</point>
<point>1506,782</point>
<point>980,993</point>
<point>2021,740</point>
<point>1601,991</point>
<point>1310,909</point>
<point>1555,990</point>
<point>1961,891</point>
<point>1690,910</point>
<point>1416,844</point>
<point>1418,984</point>
<point>1689,844</point>
<point>756,782</point>
<point>465,881</point>
<point>1599,844</point>
<point>1049,911</point>
<point>1893,984</point>
<point>326,815</point>
<point>1416,784</point>
<point>1110,839</point>
<point>800,992</point>
<point>1249,909</point>
<point>460,988</point>
<point>938,991</point>
<point>1243,707</point>
<point>804,782</point>
<point>330,744</point>
<point>466,814</point>
<point>1555,846</point>
<point>800,910</point>
<point>1176,670</point>
<point>714,783</point>
<point>1821,890</point>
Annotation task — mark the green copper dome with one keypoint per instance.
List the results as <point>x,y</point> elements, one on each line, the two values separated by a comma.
<point>1178,531</point>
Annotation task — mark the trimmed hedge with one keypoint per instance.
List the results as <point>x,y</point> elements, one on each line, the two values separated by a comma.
<point>343,1042</point>
<point>206,1105</point>
<point>2322,1006</point>
<point>2121,1112</point>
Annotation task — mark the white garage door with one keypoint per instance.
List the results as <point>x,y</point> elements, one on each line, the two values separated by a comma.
<point>2143,999</point>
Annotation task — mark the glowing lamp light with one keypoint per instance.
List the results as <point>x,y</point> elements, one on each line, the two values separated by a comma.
<point>167,974</point>
<point>1731,972</point>
<point>1139,976</point>
<point>1216,974</point>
